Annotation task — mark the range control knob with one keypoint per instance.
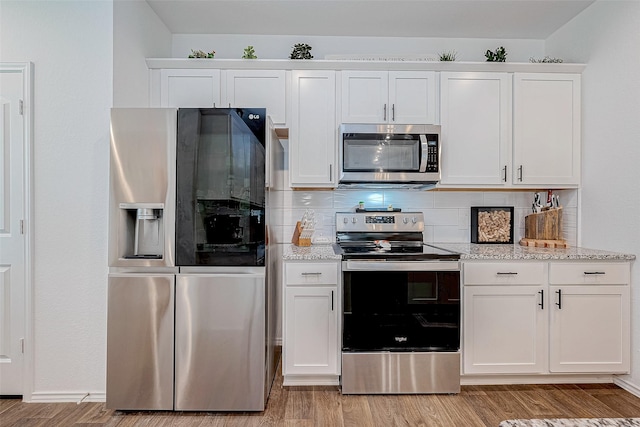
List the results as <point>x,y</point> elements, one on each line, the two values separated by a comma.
<point>413,220</point>
<point>405,220</point>
<point>354,220</point>
<point>345,220</point>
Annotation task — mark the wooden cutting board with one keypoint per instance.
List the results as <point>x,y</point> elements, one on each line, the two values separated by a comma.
<point>542,243</point>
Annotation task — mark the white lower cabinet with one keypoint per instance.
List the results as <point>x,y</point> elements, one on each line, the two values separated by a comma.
<point>546,318</point>
<point>590,325</point>
<point>311,323</point>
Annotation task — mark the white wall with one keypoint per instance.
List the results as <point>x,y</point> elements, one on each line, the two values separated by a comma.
<point>229,46</point>
<point>70,44</point>
<point>605,36</point>
<point>138,34</point>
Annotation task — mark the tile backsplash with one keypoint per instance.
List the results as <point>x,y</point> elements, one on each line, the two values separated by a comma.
<point>447,213</point>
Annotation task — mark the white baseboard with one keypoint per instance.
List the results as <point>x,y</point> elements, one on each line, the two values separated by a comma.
<point>534,379</point>
<point>65,397</point>
<point>630,387</point>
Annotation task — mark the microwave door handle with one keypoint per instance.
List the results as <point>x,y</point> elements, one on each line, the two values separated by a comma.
<point>425,152</point>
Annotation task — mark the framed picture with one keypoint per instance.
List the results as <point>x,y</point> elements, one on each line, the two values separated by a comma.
<point>492,224</point>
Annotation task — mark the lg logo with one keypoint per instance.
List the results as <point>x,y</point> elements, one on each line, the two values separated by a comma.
<point>254,116</point>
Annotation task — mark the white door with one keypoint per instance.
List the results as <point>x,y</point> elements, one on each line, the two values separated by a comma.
<point>505,329</point>
<point>12,227</point>
<point>310,331</point>
<point>412,97</point>
<point>476,128</point>
<point>589,329</point>
<point>365,97</point>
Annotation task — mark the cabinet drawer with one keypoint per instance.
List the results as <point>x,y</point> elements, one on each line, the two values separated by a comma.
<point>576,273</point>
<point>321,273</point>
<point>503,273</point>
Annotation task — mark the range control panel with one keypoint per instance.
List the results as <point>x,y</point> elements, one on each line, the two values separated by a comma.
<point>380,221</point>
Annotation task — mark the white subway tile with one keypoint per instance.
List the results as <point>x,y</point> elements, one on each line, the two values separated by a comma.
<point>457,199</point>
<point>347,200</point>
<point>450,234</point>
<point>408,200</point>
<point>311,199</point>
<point>441,217</point>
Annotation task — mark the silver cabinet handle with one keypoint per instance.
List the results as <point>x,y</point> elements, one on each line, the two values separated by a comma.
<point>311,274</point>
<point>595,272</point>
<point>331,300</point>
<point>393,112</point>
<point>330,172</point>
<point>504,169</point>
<point>385,112</point>
<point>520,173</point>
<point>510,273</point>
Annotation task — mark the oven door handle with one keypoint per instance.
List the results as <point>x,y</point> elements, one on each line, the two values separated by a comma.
<point>400,266</point>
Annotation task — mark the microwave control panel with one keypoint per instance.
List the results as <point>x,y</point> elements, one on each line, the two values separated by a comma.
<point>432,156</point>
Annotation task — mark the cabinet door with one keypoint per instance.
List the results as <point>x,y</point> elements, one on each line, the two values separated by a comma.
<point>505,329</point>
<point>258,88</point>
<point>313,130</point>
<point>311,331</point>
<point>546,129</point>
<point>365,96</point>
<point>590,329</point>
<point>475,117</point>
<point>412,97</point>
<point>189,88</point>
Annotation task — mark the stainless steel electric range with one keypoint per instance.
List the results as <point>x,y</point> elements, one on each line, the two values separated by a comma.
<point>401,306</point>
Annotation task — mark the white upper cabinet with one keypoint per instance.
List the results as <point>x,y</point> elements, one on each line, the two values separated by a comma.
<point>258,89</point>
<point>313,129</point>
<point>475,115</point>
<point>546,129</point>
<point>403,97</point>
<point>198,88</point>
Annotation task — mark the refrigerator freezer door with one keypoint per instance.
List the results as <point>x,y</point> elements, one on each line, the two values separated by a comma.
<point>140,341</point>
<point>220,342</point>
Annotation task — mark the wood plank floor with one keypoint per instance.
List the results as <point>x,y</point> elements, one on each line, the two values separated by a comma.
<point>325,406</point>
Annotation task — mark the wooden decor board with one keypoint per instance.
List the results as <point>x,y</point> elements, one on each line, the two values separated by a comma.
<point>541,243</point>
<point>546,225</point>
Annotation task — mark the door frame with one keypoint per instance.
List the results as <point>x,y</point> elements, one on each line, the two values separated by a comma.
<point>27,71</point>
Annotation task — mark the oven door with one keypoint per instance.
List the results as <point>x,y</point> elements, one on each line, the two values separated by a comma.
<point>401,306</point>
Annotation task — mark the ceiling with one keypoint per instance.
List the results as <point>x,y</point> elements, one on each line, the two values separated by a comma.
<point>504,19</point>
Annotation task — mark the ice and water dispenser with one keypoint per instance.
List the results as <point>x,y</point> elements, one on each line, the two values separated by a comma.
<point>142,230</point>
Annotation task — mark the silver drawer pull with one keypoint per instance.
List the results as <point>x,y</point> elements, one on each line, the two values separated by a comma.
<point>511,273</point>
<point>311,274</point>
<point>595,272</point>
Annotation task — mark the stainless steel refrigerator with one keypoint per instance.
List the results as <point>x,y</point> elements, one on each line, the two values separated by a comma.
<point>189,301</point>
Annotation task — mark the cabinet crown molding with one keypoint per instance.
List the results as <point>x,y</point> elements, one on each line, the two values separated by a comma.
<point>321,64</point>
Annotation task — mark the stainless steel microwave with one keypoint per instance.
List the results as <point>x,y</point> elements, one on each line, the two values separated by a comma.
<point>389,154</point>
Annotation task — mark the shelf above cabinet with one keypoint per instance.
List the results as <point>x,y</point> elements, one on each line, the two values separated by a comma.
<point>321,64</point>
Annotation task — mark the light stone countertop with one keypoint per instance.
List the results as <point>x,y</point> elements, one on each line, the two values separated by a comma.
<point>310,253</point>
<point>474,251</point>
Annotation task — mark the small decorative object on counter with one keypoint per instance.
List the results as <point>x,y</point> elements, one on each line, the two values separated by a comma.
<point>546,59</point>
<point>201,54</point>
<point>448,55</point>
<point>361,205</point>
<point>543,228</point>
<point>500,55</point>
<point>304,229</point>
<point>492,224</point>
<point>301,51</point>
<point>249,53</point>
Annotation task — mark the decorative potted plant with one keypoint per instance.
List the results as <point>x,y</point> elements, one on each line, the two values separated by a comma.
<point>201,54</point>
<point>301,51</point>
<point>500,55</point>
<point>249,53</point>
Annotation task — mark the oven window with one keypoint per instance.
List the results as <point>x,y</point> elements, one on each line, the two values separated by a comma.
<point>401,311</point>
